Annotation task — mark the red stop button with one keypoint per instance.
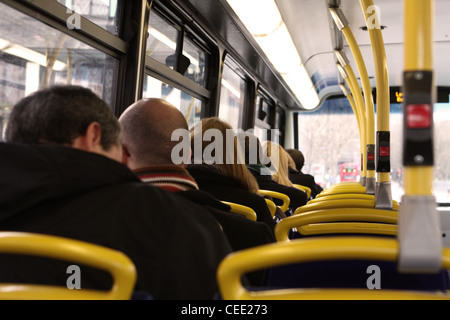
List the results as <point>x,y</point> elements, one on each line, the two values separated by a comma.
<point>384,151</point>
<point>418,116</point>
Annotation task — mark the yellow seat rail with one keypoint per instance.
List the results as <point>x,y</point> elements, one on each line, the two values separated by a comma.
<point>116,263</point>
<point>232,268</point>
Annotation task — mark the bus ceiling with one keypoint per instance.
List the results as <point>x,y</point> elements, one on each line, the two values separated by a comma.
<point>317,49</point>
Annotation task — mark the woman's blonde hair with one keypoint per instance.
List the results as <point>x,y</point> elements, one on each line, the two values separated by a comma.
<point>234,168</point>
<point>281,165</point>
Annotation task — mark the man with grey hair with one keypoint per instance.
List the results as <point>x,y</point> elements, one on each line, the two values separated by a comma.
<point>58,176</point>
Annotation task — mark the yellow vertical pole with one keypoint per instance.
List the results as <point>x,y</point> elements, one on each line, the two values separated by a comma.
<point>418,56</point>
<point>350,77</point>
<point>359,121</point>
<point>343,25</point>
<point>359,112</point>
<point>419,230</point>
<point>383,189</point>
<point>418,177</point>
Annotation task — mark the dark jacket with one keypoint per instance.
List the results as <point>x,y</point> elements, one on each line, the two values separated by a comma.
<point>241,232</point>
<point>298,177</point>
<point>175,245</point>
<point>297,197</point>
<point>211,180</point>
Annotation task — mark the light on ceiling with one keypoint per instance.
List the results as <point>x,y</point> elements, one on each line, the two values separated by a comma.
<point>263,20</point>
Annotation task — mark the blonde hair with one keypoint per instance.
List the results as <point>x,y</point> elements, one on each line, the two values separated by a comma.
<point>236,170</point>
<point>281,165</point>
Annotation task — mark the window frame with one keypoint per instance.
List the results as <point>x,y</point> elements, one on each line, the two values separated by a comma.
<point>54,14</point>
<point>172,77</point>
<point>235,67</point>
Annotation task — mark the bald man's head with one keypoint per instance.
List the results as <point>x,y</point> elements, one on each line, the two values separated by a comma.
<point>147,127</point>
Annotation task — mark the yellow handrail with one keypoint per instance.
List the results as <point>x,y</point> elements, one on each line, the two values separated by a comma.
<point>306,189</point>
<point>360,119</point>
<point>277,195</point>
<point>384,194</point>
<point>272,207</point>
<point>116,263</point>
<point>343,196</point>
<point>341,203</point>
<point>368,99</point>
<point>333,215</point>
<point>350,77</point>
<point>418,215</point>
<point>343,25</point>
<point>242,210</point>
<point>235,265</point>
<point>348,227</point>
<point>342,187</point>
<point>418,180</point>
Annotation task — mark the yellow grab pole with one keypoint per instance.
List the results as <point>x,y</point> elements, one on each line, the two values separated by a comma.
<point>370,112</point>
<point>418,64</point>
<point>418,40</point>
<point>383,189</point>
<point>419,229</point>
<point>418,56</point>
<point>342,24</point>
<point>360,123</point>
<point>349,76</point>
<point>359,119</point>
<point>360,102</point>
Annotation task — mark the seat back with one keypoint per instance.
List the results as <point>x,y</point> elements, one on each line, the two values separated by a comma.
<point>114,262</point>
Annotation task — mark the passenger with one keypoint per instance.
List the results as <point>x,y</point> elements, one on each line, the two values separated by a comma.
<point>281,166</point>
<point>298,177</point>
<point>226,181</point>
<point>146,137</point>
<point>264,176</point>
<point>62,177</point>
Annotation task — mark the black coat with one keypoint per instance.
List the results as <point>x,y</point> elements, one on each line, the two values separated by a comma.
<point>175,245</point>
<point>241,232</point>
<point>211,180</point>
<point>298,177</point>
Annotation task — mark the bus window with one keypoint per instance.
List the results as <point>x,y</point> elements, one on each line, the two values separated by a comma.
<point>162,40</point>
<point>328,137</point>
<point>263,114</point>
<point>104,13</point>
<point>34,55</point>
<point>232,97</point>
<point>442,152</point>
<point>188,105</point>
<point>441,183</point>
<point>279,124</point>
<point>263,110</point>
<point>189,59</point>
<point>197,59</point>
<point>348,171</point>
